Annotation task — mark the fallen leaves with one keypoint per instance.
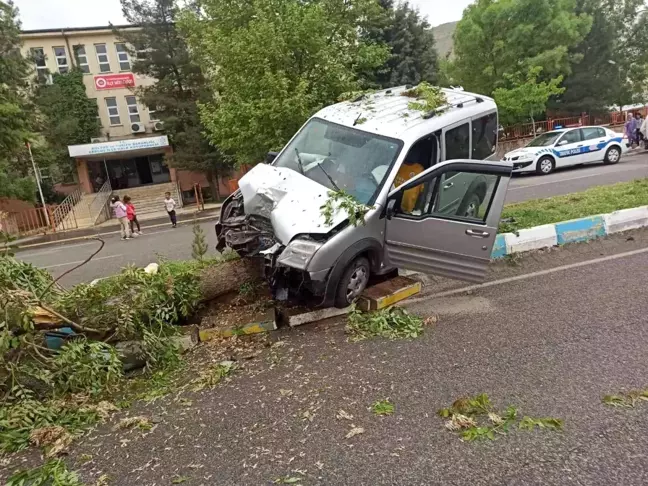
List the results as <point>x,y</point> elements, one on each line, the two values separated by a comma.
<point>629,400</point>
<point>342,415</point>
<point>141,422</point>
<point>383,407</point>
<point>54,438</point>
<point>354,431</point>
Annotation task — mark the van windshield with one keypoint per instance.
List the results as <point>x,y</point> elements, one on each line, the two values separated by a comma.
<point>340,157</point>
<point>545,139</point>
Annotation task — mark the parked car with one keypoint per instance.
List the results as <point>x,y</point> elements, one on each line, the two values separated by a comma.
<point>567,147</point>
<point>442,218</point>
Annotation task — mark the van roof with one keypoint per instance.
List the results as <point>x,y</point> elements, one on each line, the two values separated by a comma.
<point>387,113</point>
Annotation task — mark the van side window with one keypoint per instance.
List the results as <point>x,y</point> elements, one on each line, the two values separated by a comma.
<point>484,136</point>
<point>457,143</point>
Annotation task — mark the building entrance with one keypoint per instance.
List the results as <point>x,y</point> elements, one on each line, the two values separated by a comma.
<point>127,173</point>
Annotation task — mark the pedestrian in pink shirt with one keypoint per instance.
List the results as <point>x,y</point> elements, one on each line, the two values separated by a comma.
<point>121,213</point>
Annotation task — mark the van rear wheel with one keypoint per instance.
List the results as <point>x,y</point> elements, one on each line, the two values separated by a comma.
<point>353,282</point>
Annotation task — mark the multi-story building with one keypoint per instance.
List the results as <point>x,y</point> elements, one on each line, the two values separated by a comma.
<point>130,151</point>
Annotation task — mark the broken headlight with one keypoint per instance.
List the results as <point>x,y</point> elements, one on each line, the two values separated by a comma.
<point>299,253</point>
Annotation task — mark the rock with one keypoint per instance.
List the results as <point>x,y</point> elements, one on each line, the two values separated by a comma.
<point>131,354</point>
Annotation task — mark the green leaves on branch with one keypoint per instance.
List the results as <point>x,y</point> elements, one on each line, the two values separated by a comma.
<point>428,98</point>
<point>390,323</point>
<point>342,201</point>
<point>627,400</point>
<point>525,96</point>
<point>54,473</point>
<point>274,64</point>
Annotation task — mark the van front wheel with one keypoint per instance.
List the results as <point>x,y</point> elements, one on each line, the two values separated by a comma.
<point>353,282</point>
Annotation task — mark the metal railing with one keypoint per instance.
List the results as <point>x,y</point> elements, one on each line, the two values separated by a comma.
<point>62,218</point>
<point>99,207</point>
<point>27,222</point>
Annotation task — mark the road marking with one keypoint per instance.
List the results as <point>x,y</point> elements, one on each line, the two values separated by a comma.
<point>515,188</point>
<point>53,250</point>
<point>80,261</point>
<point>527,276</point>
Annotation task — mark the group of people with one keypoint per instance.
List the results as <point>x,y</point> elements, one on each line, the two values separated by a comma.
<point>126,215</point>
<point>636,129</point>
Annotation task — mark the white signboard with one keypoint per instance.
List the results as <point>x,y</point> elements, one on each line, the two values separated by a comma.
<point>117,146</point>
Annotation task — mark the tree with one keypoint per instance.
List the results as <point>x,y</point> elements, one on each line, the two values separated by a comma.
<point>199,245</point>
<point>67,117</point>
<point>411,41</point>
<point>15,127</point>
<point>613,66</point>
<point>179,86</point>
<point>273,63</point>
<point>496,38</point>
<point>526,97</point>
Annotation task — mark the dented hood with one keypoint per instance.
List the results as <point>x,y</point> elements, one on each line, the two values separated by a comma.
<point>288,199</point>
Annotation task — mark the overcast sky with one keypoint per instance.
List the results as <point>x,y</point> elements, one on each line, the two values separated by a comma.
<point>49,14</point>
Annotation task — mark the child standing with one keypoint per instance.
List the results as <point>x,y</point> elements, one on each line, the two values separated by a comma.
<point>131,214</point>
<point>170,205</point>
<point>119,208</point>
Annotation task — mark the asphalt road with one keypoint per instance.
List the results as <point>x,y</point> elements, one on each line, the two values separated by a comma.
<point>551,344</point>
<point>176,243</point>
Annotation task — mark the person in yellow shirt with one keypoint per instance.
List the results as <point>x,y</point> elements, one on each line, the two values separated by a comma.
<point>408,170</point>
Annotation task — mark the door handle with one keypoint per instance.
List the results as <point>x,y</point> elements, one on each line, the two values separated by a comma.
<point>579,146</point>
<point>477,233</point>
<point>448,185</point>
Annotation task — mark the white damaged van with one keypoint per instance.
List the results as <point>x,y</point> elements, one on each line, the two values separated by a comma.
<point>434,199</point>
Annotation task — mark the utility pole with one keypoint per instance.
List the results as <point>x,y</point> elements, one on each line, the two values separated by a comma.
<point>38,183</point>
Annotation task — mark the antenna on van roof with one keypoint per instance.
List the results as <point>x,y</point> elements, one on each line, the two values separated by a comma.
<point>459,104</point>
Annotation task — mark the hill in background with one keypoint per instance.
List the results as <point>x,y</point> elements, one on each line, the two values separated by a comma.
<point>443,36</point>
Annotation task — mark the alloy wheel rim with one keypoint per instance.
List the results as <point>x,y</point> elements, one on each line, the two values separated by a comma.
<point>357,283</point>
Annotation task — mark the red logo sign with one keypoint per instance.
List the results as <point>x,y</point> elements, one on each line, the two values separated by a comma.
<point>114,81</point>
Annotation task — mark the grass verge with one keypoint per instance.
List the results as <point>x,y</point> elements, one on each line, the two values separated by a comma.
<point>593,201</point>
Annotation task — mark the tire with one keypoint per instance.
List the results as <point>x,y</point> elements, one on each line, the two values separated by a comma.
<point>612,156</point>
<point>469,207</point>
<point>353,282</point>
<point>545,165</point>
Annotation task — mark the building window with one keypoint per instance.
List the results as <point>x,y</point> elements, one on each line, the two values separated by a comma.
<point>38,55</point>
<point>133,111</point>
<point>102,58</point>
<point>61,60</point>
<point>152,111</point>
<point>113,111</point>
<point>81,58</point>
<point>122,57</point>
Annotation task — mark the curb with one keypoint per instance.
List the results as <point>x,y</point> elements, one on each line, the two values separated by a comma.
<point>107,233</point>
<point>573,231</point>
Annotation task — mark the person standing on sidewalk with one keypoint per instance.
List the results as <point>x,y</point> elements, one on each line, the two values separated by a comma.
<point>119,208</point>
<point>631,129</point>
<point>131,214</point>
<point>170,206</point>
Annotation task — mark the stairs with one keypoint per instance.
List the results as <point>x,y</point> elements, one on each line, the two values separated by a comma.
<point>79,216</point>
<point>149,199</point>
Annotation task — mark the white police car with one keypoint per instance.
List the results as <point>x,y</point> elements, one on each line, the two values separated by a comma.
<point>568,146</point>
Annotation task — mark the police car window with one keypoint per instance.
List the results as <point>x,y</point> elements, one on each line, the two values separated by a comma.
<point>592,133</point>
<point>571,137</point>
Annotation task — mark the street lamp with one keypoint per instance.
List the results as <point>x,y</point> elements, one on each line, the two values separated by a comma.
<point>38,182</point>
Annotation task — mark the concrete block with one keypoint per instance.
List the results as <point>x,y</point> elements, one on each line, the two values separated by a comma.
<point>626,219</point>
<point>499,249</point>
<point>264,323</point>
<point>531,239</point>
<point>316,315</point>
<point>580,229</point>
<point>388,293</point>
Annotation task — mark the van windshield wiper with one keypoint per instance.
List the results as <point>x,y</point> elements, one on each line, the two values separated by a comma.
<point>299,161</point>
<point>335,186</point>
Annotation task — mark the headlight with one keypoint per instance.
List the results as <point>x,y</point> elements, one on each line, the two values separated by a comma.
<point>299,253</point>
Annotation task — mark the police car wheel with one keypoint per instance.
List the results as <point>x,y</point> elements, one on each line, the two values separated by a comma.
<point>545,166</point>
<point>612,156</point>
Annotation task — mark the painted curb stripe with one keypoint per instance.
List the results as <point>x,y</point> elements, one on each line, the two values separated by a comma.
<point>580,230</point>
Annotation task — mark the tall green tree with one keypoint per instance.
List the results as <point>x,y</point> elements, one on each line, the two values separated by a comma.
<point>273,63</point>
<point>409,36</point>
<point>67,117</point>
<point>614,58</point>
<point>180,85</point>
<point>526,97</point>
<point>496,38</point>
<point>15,127</point>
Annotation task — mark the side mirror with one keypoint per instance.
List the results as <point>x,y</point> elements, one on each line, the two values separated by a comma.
<point>271,157</point>
<point>389,211</point>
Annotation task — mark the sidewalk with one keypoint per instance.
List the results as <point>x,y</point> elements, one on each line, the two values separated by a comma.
<point>184,215</point>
